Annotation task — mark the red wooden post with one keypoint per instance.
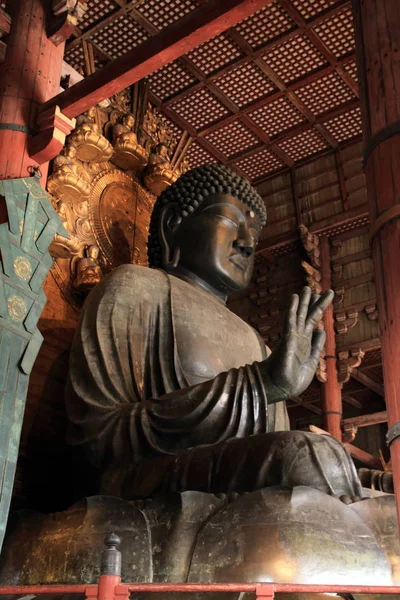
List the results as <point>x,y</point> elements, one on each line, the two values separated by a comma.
<point>29,76</point>
<point>378,44</point>
<point>331,389</point>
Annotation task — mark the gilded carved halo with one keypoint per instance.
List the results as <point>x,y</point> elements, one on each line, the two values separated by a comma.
<point>115,206</point>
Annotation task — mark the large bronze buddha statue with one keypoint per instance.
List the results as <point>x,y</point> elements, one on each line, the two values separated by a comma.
<point>168,389</point>
<point>180,409</point>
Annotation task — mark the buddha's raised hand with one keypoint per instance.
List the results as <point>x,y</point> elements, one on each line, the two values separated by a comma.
<point>291,366</point>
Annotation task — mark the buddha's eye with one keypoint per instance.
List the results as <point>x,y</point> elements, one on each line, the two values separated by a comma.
<point>228,221</point>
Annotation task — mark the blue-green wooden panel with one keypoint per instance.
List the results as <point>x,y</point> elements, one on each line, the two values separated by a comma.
<point>24,263</point>
<point>40,273</point>
<point>29,223</point>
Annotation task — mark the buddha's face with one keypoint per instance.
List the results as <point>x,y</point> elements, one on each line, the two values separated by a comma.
<point>218,241</point>
<point>129,121</point>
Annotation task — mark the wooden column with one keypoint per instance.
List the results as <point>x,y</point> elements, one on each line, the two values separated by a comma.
<point>378,56</point>
<point>331,389</point>
<point>29,76</point>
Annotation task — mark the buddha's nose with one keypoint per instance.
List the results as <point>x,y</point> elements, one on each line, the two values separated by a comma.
<point>244,246</point>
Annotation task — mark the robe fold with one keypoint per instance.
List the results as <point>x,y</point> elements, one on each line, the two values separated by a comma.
<point>159,398</point>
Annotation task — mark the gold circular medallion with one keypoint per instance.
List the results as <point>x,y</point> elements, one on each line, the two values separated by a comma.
<point>22,268</point>
<point>16,308</point>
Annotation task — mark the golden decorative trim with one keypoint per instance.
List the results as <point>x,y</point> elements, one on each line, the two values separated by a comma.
<point>22,268</point>
<point>16,308</point>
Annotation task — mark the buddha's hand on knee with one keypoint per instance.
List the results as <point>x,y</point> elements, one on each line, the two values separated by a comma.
<point>291,366</point>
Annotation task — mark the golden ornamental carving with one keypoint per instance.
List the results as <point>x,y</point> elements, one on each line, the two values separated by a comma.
<point>113,213</point>
<point>16,308</point>
<point>88,272</point>
<point>69,179</point>
<point>128,153</point>
<point>22,268</point>
<point>160,172</point>
<point>98,187</point>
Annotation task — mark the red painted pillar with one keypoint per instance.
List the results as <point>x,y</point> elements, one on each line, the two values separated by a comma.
<point>378,56</point>
<point>331,389</point>
<point>29,76</point>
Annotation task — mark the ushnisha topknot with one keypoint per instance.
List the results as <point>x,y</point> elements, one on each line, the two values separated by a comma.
<point>191,189</point>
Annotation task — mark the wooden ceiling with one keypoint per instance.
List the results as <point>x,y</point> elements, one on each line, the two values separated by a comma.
<point>269,93</point>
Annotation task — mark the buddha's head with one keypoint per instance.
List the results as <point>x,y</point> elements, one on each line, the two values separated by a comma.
<point>162,150</point>
<point>207,224</point>
<point>91,113</point>
<point>129,121</point>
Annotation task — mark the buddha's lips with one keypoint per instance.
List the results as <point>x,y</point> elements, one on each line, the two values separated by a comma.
<point>239,261</point>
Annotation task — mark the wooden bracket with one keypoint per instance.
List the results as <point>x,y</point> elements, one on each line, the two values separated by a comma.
<point>53,128</point>
<point>347,361</point>
<point>63,20</point>
<point>310,243</point>
<point>345,320</point>
<point>339,295</point>
<point>372,312</point>
<point>349,432</point>
<point>313,277</point>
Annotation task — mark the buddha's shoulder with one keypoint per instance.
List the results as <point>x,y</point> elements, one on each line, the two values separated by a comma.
<point>128,280</point>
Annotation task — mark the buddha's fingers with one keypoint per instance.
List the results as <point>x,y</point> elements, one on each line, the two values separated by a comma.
<point>290,324</point>
<point>317,310</point>
<point>317,345</point>
<point>304,307</point>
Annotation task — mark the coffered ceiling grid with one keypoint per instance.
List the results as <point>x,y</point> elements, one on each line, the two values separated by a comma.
<point>276,89</point>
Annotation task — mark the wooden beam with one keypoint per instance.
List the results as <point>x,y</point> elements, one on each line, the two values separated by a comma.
<point>350,400</point>
<point>5,22</point>
<point>172,42</point>
<point>371,461</point>
<point>370,383</point>
<point>367,420</point>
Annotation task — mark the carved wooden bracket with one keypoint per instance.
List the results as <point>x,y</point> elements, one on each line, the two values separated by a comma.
<point>349,433</point>
<point>347,361</point>
<point>5,26</point>
<point>339,295</point>
<point>261,294</point>
<point>53,129</point>
<point>372,312</point>
<point>337,273</point>
<point>320,373</point>
<point>313,277</point>
<point>345,320</point>
<point>310,243</point>
<point>336,244</point>
<point>64,18</point>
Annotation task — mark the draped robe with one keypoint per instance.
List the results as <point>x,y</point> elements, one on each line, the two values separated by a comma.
<point>165,393</point>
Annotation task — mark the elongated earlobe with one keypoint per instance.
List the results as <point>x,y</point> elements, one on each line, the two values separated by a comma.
<point>168,222</point>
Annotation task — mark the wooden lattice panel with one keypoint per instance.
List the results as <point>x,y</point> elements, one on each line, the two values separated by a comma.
<point>170,79</point>
<point>259,164</point>
<point>197,155</point>
<point>324,94</point>
<point>96,11</point>
<point>351,69</point>
<point>265,25</point>
<point>200,108</point>
<point>162,13</point>
<point>372,358</point>
<point>303,144</point>
<point>293,58</point>
<point>245,84</point>
<point>337,33</point>
<point>214,54</point>
<point>120,36</point>
<point>75,58</point>
<point>277,116</point>
<point>345,126</point>
<point>232,138</point>
<point>312,8</point>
